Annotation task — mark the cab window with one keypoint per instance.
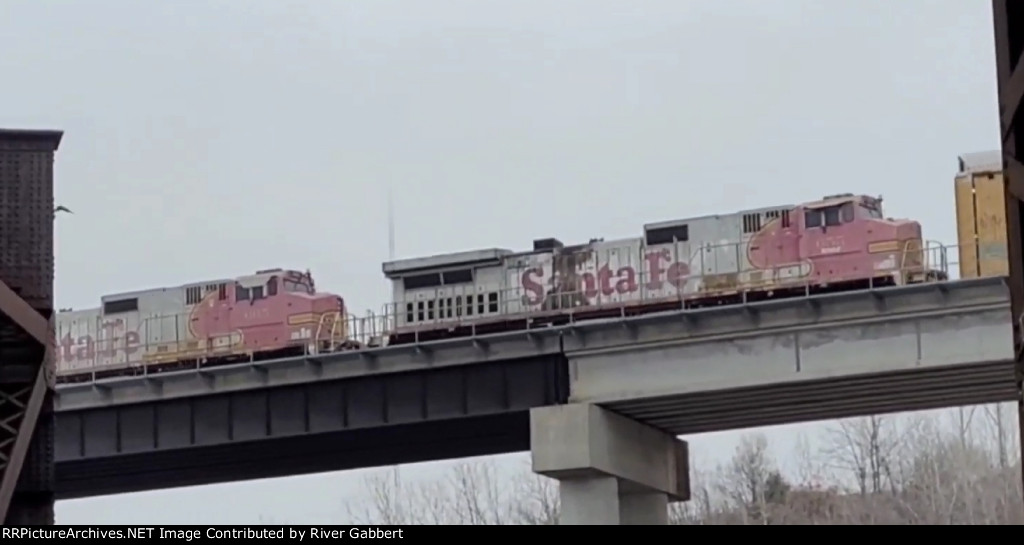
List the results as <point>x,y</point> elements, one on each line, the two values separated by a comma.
<point>872,211</point>
<point>846,212</point>
<point>252,294</point>
<point>829,216</point>
<point>256,293</point>
<point>291,286</point>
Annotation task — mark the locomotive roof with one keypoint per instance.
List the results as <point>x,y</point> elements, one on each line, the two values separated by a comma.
<point>491,256</point>
<point>246,280</point>
<point>833,200</point>
<point>138,293</point>
<point>401,267</point>
<point>981,161</point>
<point>681,221</point>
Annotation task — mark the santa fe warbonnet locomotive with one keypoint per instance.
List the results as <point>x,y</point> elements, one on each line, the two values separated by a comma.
<point>840,242</point>
<point>273,313</point>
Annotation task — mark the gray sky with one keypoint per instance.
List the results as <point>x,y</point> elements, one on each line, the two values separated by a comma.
<point>210,139</point>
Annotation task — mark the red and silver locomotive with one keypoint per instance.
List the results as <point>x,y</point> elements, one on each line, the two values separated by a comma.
<point>273,313</point>
<point>840,242</point>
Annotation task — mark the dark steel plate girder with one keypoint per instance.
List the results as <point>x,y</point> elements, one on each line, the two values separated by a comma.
<point>1009,43</point>
<point>21,402</point>
<point>1008,20</point>
<point>26,305</point>
<point>392,418</point>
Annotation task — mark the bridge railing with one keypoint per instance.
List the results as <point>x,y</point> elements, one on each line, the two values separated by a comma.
<point>713,275</point>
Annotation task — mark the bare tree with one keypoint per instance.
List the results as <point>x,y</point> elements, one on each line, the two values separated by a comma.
<point>472,494</point>
<point>962,468</point>
<point>752,481</point>
<point>537,501</point>
<point>1002,420</point>
<point>810,472</point>
<point>388,503</point>
<point>703,504</point>
<point>864,449</point>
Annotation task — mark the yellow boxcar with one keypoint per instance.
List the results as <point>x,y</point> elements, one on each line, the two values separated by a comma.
<point>981,215</point>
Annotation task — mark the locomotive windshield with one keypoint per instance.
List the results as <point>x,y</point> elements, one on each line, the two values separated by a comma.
<point>297,285</point>
<point>828,216</point>
<point>872,209</point>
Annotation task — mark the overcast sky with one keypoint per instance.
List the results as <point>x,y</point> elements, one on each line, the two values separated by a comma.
<point>210,139</point>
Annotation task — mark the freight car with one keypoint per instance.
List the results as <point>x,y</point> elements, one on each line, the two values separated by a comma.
<point>273,313</point>
<point>841,242</point>
<point>981,215</point>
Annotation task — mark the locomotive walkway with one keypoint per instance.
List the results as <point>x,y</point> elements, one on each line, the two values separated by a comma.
<point>652,377</point>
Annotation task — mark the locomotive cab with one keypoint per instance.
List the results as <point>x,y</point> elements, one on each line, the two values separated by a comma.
<point>312,316</point>
<point>848,237</point>
<point>271,309</point>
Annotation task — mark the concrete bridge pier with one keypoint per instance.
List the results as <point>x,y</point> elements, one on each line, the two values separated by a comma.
<point>611,470</point>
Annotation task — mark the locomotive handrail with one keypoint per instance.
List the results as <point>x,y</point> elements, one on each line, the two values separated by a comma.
<point>336,331</point>
<point>327,319</point>
<point>484,340</point>
<point>508,295</point>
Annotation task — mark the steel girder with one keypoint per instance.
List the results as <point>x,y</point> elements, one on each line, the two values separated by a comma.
<point>1008,19</point>
<point>22,397</point>
<point>27,421</point>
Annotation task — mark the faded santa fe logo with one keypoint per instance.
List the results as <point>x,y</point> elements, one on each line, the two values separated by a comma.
<point>657,271</point>
<point>113,340</point>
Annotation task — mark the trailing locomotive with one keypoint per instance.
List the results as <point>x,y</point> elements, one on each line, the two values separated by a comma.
<point>840,242</point>
<point>273,313</point>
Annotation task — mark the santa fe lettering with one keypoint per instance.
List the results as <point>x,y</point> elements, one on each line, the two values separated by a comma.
<point>660,270</point>
<point>84,347</point>
<point>298,534</point>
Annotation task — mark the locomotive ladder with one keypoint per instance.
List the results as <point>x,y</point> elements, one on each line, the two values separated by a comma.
<point>24,385</point>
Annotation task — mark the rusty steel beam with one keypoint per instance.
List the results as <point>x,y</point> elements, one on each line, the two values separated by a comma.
<point>1008,20</point>
<point>24,316</point>
<point>1011,91</point>
<point>1007,43</point>
<point>26,327</point>
<point>18,429</point>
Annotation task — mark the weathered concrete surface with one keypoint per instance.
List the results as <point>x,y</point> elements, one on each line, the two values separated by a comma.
<point>611,470</point>
<point>930,347</point>
<point>732,322</point>
<point>793,354</point>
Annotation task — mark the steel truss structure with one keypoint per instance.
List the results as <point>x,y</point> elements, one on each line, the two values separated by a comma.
<point>1008,17</point>
<point>26,327</point>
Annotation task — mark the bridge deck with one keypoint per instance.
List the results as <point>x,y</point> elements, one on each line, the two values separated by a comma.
<point>687,372</point>
<point>923,347</point>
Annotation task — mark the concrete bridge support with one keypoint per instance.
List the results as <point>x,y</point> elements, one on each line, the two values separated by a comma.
<point>611,470</point>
